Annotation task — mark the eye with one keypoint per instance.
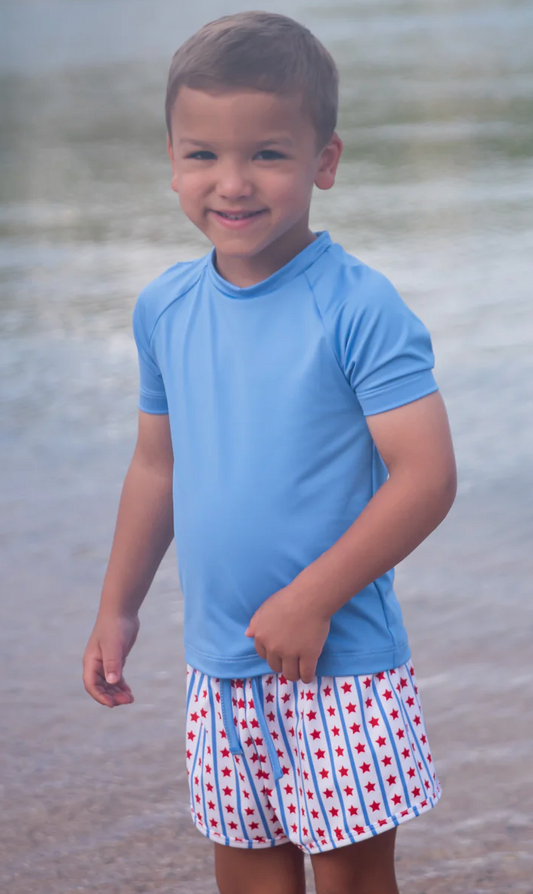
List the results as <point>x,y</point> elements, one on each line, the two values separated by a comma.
<point>271,154</point>
<point>201,155</point>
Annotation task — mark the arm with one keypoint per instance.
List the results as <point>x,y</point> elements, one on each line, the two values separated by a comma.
<point>414,440</point>
<point>143,532</point>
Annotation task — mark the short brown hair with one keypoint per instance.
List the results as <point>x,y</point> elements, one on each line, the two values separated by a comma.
<point>259,51</point>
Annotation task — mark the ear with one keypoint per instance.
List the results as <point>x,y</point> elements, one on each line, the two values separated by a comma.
<point>328,162</point>
<point>174,180</point>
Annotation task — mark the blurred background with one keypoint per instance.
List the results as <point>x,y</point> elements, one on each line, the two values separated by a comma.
<point>435,189</point>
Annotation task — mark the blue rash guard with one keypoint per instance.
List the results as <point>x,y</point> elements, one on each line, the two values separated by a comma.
<point>267,389</point>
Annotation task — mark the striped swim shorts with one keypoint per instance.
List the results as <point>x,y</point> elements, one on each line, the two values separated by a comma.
<point>322,764</point>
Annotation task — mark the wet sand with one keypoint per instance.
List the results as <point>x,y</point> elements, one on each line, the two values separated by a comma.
<point>96,800</point>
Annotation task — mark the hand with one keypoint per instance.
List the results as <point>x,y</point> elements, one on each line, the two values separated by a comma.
<point>289,634</point>
<point>104,659</point>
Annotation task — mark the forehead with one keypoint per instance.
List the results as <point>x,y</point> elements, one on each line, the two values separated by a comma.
<point>242,116</point>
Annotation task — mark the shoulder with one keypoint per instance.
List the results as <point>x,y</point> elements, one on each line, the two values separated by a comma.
<point>343,285</point>
<point>162,292</point>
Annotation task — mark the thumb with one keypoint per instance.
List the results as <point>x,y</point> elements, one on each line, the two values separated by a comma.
<point>112,666</point>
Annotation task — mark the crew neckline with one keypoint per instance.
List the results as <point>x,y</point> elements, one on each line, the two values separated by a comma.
<point>289,271</point>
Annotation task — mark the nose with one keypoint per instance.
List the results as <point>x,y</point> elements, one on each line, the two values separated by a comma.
<point>234,181</point>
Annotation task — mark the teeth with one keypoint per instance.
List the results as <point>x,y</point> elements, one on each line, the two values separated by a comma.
<point>237,216</point>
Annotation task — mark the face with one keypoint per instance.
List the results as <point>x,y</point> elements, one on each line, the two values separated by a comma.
<point>244,165</point>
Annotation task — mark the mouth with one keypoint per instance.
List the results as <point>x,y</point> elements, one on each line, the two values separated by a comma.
<point>237,215</point>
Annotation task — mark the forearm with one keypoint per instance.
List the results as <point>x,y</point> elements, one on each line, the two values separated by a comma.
<point>143,532</point>
<point>396,520</point>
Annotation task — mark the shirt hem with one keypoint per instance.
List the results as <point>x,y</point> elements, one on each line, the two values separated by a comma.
<point>339,664</point>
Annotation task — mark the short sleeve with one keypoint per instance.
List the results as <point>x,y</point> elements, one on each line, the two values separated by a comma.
<point>152,396</point>
<point>384,349</point>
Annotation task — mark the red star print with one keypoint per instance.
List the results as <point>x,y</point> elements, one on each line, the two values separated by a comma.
<point>203,712</point>
<point>340,751</point>
<point>396,799</point>
<point>227,791</point>
<point>343,771</point>
<point>353,811</point>
<point>269,680</point>
<point>415,792</point>
<point>410,701</point>
<point>417,720</point>
<point>355,727</point>
<point>373,722</point>
<point>386,761</point>
<point>279,752</point>
<point>254,723</point>
<point>198,799</point>
<point>400,733</point>
<point>348,791</point>
<point>214,823</point>
<point>292,808</point>
<point>365,768</point>
<point>370,786</point>
<point>336,731</point>
<point>289,789</point>
<point>423,740</point>
<point>350,708</point>
<point>331,711</point>
<point>211,805</point>
<point>324,773</point>
<point>254,825</point>
<point>310,794</point>
<point>225,752</point>
<point>189,754</point>
<point>226,771</point>
<point>311,715</point>
<point>368,703</point>
<point>249,811</point>
<point>194,717</point>
<point>406,753</point>
<point>368,682</point>
<point>190,736</point>
<point>229,809</point>
<point>360,748</point>
<point>320,754</point>
<point>382,822</point>
<point>394,714</point>
<point>359,829</point>
<point>320,832</point>
<point>411,772</point>
<point>282,679</point>
<point>387,694</point>
<point>309,695</point>
<point>333,811</point>
<point>315,734</point>
<point>381,675</point>
<point>245,793</point>
<point>339,833</point>
<point>381,740</point>
<point>233,825</point>
<point>315,814</point>
<point>207,768</point>
<point>270,697</point>
<point>375,805</point>
<point>328,793</point>
<point>294,827</point>
<point>346,687</point>
<point>391,780</point>
<point>327,690</point>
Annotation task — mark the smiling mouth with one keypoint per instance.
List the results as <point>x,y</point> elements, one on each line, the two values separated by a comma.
<point>241,216</point>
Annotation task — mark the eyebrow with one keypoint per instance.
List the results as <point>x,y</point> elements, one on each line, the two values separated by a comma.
<point>278,141</point>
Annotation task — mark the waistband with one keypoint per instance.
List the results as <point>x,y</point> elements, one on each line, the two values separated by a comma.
<point>229,722</point>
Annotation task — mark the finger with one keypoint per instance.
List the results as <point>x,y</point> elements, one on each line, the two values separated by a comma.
<point>113,663</point>
<point>291,669</point>
<point>261,651</point>
<point>307,670</point>
<point>274,662</point>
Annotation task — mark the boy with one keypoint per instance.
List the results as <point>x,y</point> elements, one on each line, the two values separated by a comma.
<point>293,440</point>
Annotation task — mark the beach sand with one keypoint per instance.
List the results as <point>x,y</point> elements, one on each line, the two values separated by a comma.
<point>97,800</point>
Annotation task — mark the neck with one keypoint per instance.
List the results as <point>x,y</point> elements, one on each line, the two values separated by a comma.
<point>244,272</point>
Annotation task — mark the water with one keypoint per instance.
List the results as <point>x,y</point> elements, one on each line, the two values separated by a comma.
<point>434,189</point>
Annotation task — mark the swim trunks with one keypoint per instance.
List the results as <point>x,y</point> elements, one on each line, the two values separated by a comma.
<point>321,764</point>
